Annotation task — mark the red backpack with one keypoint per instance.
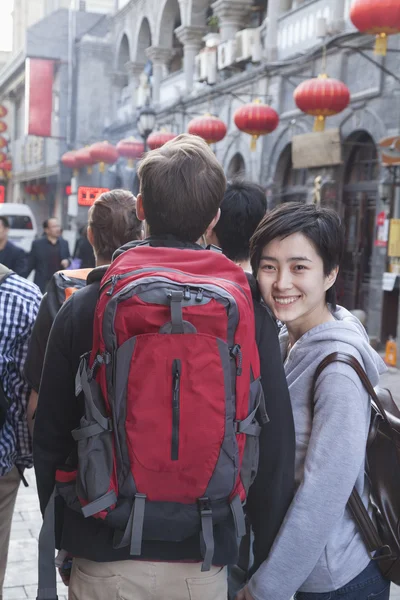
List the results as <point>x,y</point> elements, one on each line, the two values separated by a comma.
<point>168,445</point>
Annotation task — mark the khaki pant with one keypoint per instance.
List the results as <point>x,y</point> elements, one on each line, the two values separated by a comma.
<point>143,580</point>
<point>9,485</point>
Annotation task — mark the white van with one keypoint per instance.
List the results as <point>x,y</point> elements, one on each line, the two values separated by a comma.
<point>23,229</point>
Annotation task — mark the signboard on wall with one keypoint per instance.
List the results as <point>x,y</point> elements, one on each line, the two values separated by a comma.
<point>394,238</point>
<point>382,230</point>
<point>317,149</point>
<point>39,96</point>
<point>87,195</point>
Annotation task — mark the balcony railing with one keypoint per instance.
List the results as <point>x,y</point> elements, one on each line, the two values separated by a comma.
<point>297,29</point>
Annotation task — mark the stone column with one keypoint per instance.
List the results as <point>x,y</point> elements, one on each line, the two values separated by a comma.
<point>192,40</point>
<point>232,16</point>
<point>134,70</point>
<point>119,80</point>
<point>339,17</point>
<point>275,9</point>
<point>160,58</point>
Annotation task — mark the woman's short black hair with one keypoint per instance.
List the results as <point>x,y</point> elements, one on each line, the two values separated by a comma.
<point>321,226</point>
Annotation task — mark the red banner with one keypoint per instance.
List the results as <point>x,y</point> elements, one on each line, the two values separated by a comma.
<point>39,96</point>
<point>2,194</point>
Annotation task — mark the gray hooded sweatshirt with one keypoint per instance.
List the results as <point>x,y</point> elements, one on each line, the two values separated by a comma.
<point>318,548</point>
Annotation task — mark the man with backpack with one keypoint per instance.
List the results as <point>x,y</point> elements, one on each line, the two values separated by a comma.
<point>19,304</point>
<point>169,410</point>
<point>112,222</point>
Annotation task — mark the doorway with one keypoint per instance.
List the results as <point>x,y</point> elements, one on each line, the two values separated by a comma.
<point>360,195</point>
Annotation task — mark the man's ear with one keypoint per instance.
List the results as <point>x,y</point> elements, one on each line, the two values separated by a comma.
<point>214,221</point>
<point>211,237</point>
<point>90,237</point>
<point>139,208</point>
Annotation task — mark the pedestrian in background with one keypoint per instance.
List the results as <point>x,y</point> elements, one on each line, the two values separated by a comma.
<point>10,255</point>
<point>318,553</point>
<point>48,254</point>
<point>19,304</point>
<point>243,207</point>
<point>112,222</point>
<point>83,253</point>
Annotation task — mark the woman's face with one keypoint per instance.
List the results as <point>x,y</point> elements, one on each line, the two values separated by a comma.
<point>292,282</point>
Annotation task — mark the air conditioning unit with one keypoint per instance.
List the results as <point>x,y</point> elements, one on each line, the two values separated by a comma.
<point>248,45</point>
<point>226,54</point>
<point>206,66</point>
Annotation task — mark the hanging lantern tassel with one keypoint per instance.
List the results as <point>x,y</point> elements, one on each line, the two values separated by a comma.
<point>253,143</point>
<point>101,167</point>
<point>381,43</point>
<point>319,123</point>
<point>131,163</point>
<point>89,170</point>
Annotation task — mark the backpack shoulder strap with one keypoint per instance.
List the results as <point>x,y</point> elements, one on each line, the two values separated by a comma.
<point>366,526</point>
<point>348,359</point>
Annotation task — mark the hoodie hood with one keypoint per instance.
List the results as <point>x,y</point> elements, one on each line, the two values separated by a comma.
<point>345,334</point>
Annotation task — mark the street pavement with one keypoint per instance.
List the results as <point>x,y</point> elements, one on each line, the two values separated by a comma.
<point>21,576</point>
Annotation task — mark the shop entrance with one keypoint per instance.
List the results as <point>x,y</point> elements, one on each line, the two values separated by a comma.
<point>360,194</point>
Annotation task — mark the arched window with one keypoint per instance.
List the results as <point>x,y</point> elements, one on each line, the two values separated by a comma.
<point>362,163</point>
<point>290,184</point>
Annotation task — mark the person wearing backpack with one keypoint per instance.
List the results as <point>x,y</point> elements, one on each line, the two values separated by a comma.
<point>319,552</point>
<point>105,235</point>
<point>169,407</point>
<point>19,304</point>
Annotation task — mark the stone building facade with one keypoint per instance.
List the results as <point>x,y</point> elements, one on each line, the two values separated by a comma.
<point>166,40</point>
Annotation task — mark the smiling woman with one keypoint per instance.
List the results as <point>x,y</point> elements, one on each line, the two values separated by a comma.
<point>295,253</point>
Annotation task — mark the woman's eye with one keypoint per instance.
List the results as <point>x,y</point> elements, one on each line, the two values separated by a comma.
<point>268,267</point>
<point>300,268</point>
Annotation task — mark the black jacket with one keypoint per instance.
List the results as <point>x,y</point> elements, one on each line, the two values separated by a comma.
<point>39,259</point>
<point>14,258</point>
<point>59,412</point>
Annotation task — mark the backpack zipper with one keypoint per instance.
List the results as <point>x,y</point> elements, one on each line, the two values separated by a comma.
<point>176,390</point>
<point>236,354</point>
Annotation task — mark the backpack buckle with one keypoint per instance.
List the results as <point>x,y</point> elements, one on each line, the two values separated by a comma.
<point>204,505</point>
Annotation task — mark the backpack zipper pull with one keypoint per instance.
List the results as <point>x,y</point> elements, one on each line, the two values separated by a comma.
<point>113,281</point>
<point>186,293</point>
<point>199,297</point>
<point>236,353</point>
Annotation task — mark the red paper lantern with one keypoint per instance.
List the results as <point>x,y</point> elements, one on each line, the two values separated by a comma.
<point>256,119</point>
<point>84,158</point>
<point>322,97</point>
<point>130,148</point>
<point>6,165</point>
<point>69,160</point>
<point>103,153</point>
<point>209,128</point>
<point>3,127</point>
<point>3,142</point>
<point>3,111</point>
<point>377,17</point>
<point>159,138</point>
